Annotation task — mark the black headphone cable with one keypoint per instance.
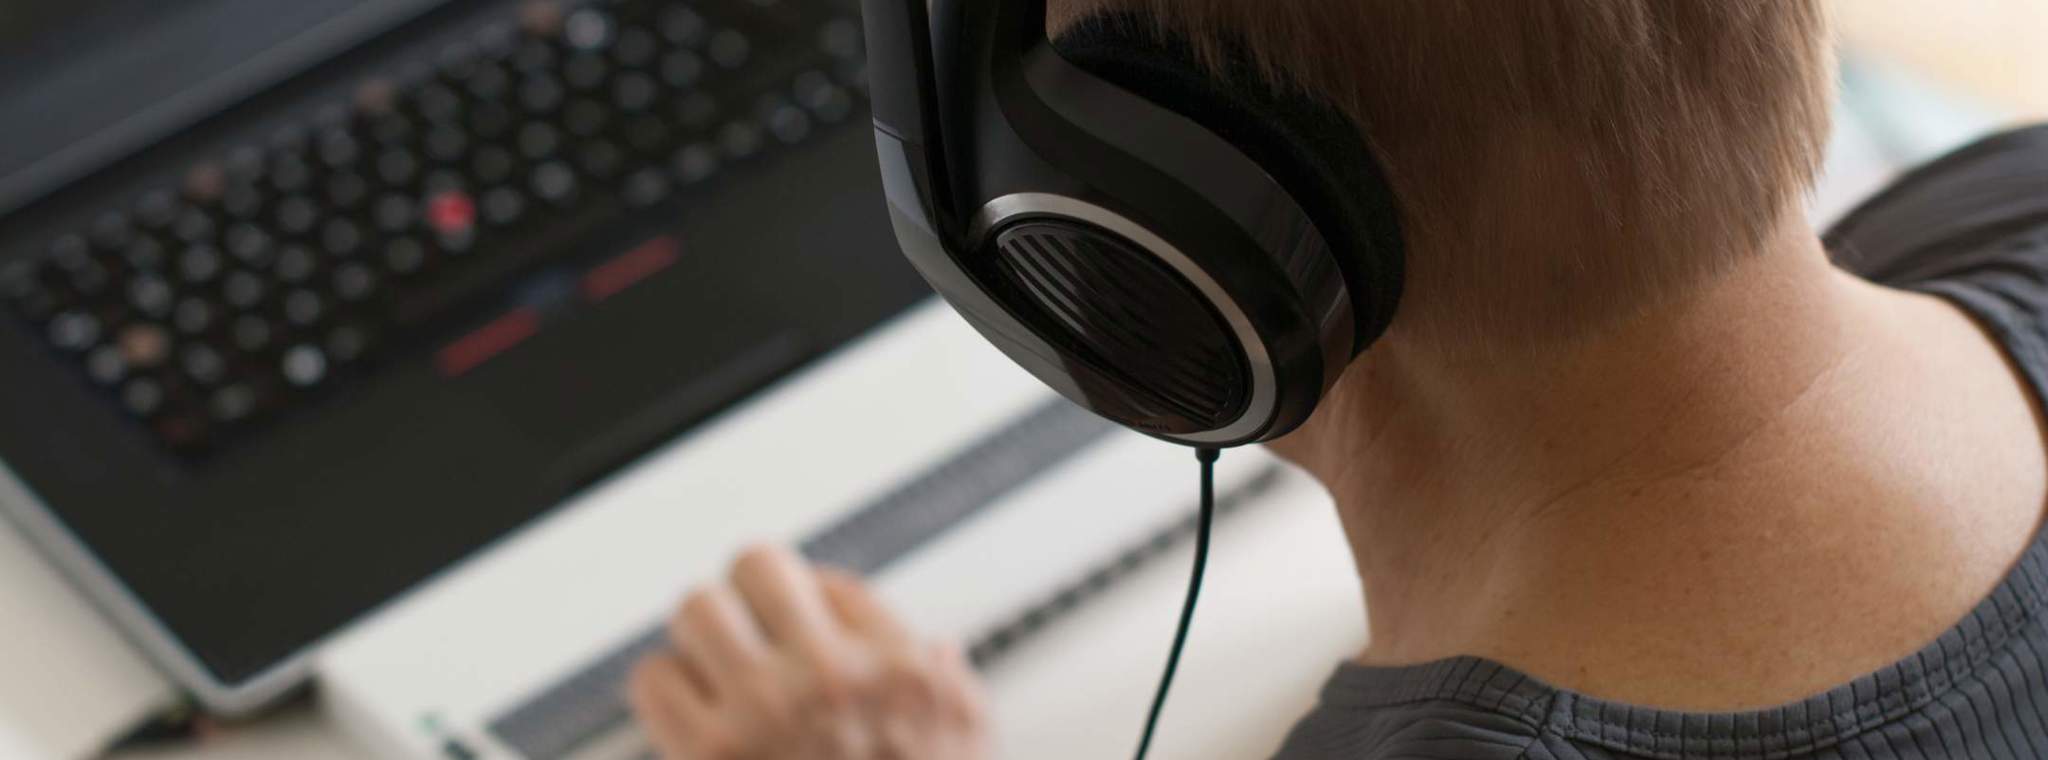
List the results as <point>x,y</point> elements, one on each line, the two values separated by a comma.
<point>1203,522</point>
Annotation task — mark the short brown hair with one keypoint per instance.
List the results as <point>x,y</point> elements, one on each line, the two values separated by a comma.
<point>1567,160</point>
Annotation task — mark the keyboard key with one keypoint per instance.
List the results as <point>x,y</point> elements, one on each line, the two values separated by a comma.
<point>456,61</point>
<point>587,29</point>
<point>538,141</point>
<point>347,343</point>
<point>541,18</point>
<point>376,97</point>
<point>304,366</point>
<point>144,345</point>
<point>787,122</point>
<point>739,140</point>
<point>646,187</point>
<point>243,290</point>
<point>338,149</point>
<point>156,209</point>
<point>502,206</point>
<point>199,264</point>
<point>540,94</point>
<point>729,49</point>
<point>105,366</point>
<point>244,165</point>
<point>554,182</point>
<point>233,403</point>
<point>249,244</point>
<point>70,252</point>
<point>291,174</point>
<point>150,295</point>
<point>204,183</point>
<point>203,364</point>
<point>142,396</point>
<point>681,25</point>
<point>242,202</point>
<point>74,331</point>
<point>694,163</point>
<point>341,238</point>
<point>145,254</point>
<point>112,231</point>
<point>296,264</point>
<point>634,92</point>
<point>451,211</point>
<point>489,83</point>
<point>304,308</point>
<point>354,282</point>
<point>635,48</point>
<point>192,226</point>
<point>395,213</point>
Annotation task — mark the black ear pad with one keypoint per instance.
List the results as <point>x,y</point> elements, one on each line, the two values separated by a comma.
<point>1310,147</point>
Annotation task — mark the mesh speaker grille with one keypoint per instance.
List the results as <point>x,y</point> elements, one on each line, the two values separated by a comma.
<point>1130,316</point>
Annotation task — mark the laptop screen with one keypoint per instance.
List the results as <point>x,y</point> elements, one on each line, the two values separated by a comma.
<point>83,82</point>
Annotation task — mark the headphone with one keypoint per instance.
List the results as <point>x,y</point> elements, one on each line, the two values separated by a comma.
<point>1193,253</point>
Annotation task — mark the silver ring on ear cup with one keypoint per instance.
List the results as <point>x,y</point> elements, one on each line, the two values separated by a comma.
<point>1264,397</point>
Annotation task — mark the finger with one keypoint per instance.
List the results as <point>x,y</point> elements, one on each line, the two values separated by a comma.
<point>858,610</point>
<point>667,705</point>
<point>714,632</point>
<point>959,686</point>
<point>783,593</point>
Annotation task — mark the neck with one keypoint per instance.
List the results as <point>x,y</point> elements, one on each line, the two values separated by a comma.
<point>1451,472</point>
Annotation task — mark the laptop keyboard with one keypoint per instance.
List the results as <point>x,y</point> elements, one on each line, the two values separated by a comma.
<point>274,272</point>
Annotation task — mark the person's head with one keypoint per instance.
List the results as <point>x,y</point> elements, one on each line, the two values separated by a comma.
<point>1560,164</point>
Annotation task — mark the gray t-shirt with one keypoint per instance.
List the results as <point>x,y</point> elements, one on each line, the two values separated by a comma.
<point>1971,227</point>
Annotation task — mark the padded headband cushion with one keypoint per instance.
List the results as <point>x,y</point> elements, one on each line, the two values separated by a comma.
<point>1307,145</point>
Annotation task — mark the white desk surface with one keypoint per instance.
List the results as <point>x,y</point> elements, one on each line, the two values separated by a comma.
<point>1280,586</point>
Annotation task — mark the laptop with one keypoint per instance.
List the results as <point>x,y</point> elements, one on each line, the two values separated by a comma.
<point>431,348</point>
<point>301,303</point>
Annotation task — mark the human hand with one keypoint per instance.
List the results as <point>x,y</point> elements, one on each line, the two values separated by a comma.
<point>785,660</point>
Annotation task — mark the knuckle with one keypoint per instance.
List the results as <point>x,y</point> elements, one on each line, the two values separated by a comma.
<point>699,608</point>
<point>757,560</point>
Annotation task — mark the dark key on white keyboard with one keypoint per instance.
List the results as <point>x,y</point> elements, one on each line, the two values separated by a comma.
<point>588,704</point>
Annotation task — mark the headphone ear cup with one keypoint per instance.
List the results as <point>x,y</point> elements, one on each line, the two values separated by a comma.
<point>1118,308</point>
<point>1311,148</point>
